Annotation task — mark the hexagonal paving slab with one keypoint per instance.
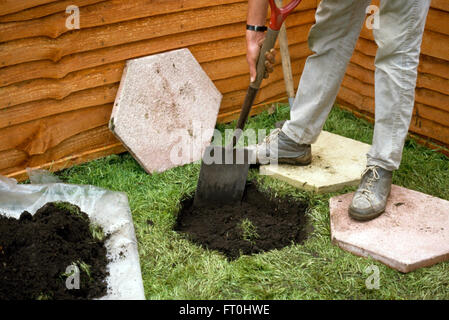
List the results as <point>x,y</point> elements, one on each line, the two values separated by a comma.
<point>337,162</point>
<point>165,110</point>
<point>412,233</point>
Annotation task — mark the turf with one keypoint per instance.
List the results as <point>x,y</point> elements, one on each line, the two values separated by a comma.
<point>174,268</point>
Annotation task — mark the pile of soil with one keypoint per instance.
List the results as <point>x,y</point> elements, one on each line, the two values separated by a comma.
<point>271,223</point>
<point>35,251</point>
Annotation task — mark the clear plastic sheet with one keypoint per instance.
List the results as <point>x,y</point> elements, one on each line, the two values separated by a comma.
<point>106,208</point>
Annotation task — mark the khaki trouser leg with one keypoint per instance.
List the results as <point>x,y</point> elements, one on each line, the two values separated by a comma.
<point>399,40</point>
<point>332,39</point>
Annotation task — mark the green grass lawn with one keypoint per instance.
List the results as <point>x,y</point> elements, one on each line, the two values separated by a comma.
<point>174,268</point>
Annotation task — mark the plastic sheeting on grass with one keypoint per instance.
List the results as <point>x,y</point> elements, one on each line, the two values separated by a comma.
<point>106,208</point>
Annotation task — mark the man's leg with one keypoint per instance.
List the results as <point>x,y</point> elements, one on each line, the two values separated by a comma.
<point>399,39</point>
<point>332,39</point>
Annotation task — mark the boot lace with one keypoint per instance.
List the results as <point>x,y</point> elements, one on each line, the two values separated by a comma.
<point>370,181</point>
<point>272,135</point>
<point>266,145</point>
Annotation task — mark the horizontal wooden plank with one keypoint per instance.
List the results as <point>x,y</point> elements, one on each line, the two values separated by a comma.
<point>237,66</point>
<point>421,139</point>
<point>101,14</point>
<point>434,66</point>
<point>241,82</point>
<point>366,46</point>
<point>432,98</point>
<point>430,129</point>
<point>59,164</point>
<point>353,98</point>
<point>226,69</point>
<point>71,63</point>
<point>360,73</point>
<point>45,10</point>
<point>434,44</point>
<point>421,126</point>
<point>45,108</point>
<point>12,159</point>
<point>87,140</point>
<point>361,59</point>
<point>41,48</point>
<point>440,4</point>
<point>105,14</point>
<point>438,21</point>
<point>99,76</point>
<point>434,83</point>
<point>426,81</point>
<point>272,88</point>
<point>59,89</point>
<point>57,151</point>
<point>36,137</point>
<point>427,64</point>
<point>90,59</point>
<point>424,96</point>
<point>431,113</point>
<point>10,6</point>
<point>362,88</point>
<point>226,117</point>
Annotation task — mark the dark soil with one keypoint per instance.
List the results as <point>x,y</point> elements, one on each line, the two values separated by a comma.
<point>36,250</point>
<point>274,223</point>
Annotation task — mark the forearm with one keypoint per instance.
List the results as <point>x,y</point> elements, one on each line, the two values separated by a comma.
<point>257,15</point>
<point>257,12</point>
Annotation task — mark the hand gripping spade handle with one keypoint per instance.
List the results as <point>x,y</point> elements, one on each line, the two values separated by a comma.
<point>278,16</point>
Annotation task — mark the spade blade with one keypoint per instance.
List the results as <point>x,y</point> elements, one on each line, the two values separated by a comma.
<point>223,176</point>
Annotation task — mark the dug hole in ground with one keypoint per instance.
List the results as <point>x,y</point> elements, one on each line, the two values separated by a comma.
<point>260,222</point>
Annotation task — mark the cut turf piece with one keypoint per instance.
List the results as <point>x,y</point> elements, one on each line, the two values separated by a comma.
<point>413,232</point>
<point>165,110</point>
<point>259,223</point>
<point>337,162</point>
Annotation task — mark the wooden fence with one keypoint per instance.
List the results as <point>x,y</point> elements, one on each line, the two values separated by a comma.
<point>57,86</point>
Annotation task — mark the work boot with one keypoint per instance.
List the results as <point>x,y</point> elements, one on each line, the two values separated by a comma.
<point>278,147</point>
<point>370,199</point>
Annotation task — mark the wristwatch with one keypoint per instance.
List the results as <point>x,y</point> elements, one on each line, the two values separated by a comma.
<point>256,28</point>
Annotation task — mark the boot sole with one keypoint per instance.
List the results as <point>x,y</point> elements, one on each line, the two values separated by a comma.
<point>295,161</point>
<point>364,217</point>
